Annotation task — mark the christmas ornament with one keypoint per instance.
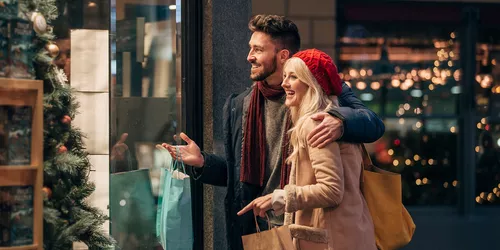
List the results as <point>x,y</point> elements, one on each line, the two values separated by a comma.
<point>39,22</point>
<point>66,119</point>
<point>61,76</point>
<point>52,49</point>
<point>62,149</point>
<point>47,192</point>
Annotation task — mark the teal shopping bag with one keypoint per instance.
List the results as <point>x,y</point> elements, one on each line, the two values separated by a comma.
<point>132,209</point>
<point>174,225</point>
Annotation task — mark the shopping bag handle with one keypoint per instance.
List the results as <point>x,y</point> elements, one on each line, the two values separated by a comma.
<point>257,224</point>
<point>176,162</point>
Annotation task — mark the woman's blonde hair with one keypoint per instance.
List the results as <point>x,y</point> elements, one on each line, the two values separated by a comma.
<point>313,101</point>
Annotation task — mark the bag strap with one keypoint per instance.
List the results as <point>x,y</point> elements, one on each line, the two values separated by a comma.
<point>257,224</point>
<point>178,162</point>
<point>367,165</point>
<point>367,160</point>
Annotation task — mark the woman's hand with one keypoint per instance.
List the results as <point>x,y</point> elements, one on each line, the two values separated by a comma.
<point>260,206</point>
<point>190,153</point>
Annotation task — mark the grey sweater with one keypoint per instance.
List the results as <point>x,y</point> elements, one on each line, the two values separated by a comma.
<point>274,121</point>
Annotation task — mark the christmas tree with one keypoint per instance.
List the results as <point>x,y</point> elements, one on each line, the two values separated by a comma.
<point>68,216</point>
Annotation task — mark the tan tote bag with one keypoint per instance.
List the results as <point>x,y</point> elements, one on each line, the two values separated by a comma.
<point>277,238</point>
<point>382,190</point>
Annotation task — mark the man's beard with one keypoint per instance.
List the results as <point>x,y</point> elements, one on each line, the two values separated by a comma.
<point>262,76</point>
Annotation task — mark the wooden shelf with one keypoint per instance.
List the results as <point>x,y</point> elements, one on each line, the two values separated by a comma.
<point>20,167</point>
<point>17,92</point>
<point>28,247</point>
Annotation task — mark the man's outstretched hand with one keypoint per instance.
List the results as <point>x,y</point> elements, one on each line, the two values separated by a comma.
<point>190,153</point>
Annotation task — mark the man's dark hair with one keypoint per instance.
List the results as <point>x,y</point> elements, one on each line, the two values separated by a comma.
<point>283,31</point>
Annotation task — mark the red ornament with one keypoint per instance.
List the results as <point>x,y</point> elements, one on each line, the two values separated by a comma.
<point>47,192</point>
<point>62,149</point>
<point>397,142</point>
<point>66,119</point>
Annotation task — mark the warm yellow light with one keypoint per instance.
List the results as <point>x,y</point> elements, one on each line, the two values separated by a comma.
<point>455,183</point>
<point>353,73</point>
<point>361,85</point>
<point>418,182</point>
<point>395,83</point>
<point>390,152</point>
<point>491,197</point>
<point>408,162</point>
<point>479,200</point>
<point>395,163</point>
<point>375,85</point>
<point>417,158</point>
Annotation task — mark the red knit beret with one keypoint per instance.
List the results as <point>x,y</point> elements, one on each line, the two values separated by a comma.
<point>323,69</point>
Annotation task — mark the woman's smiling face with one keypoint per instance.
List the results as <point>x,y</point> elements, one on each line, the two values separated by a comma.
<point>295,89</point>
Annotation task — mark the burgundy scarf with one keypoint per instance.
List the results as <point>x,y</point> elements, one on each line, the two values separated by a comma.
<point>253,162</point>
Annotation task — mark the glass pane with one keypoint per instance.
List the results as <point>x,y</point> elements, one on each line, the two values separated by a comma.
<point>408,72</point>
<point>420,151</point>
<point>487,90</point>
<point>145,111</point>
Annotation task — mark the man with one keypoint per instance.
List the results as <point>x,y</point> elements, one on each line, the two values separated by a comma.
<point>255,127</point>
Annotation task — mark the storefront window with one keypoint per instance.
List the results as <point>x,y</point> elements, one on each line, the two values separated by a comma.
<point>406,68</point>
<point>145,111</point>
<point>487,93</point>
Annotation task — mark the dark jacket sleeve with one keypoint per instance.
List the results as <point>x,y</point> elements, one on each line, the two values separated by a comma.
<point>361,125</point>
<point>214,171</point>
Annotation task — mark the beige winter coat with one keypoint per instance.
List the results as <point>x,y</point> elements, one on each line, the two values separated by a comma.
<point>323,203</point>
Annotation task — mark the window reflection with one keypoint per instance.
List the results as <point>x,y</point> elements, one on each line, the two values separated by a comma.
<point>145,111</point>
<point>487,90</point>
<point>409,74</point>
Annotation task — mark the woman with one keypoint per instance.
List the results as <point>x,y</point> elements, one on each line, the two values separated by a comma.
<point>323,201</point>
